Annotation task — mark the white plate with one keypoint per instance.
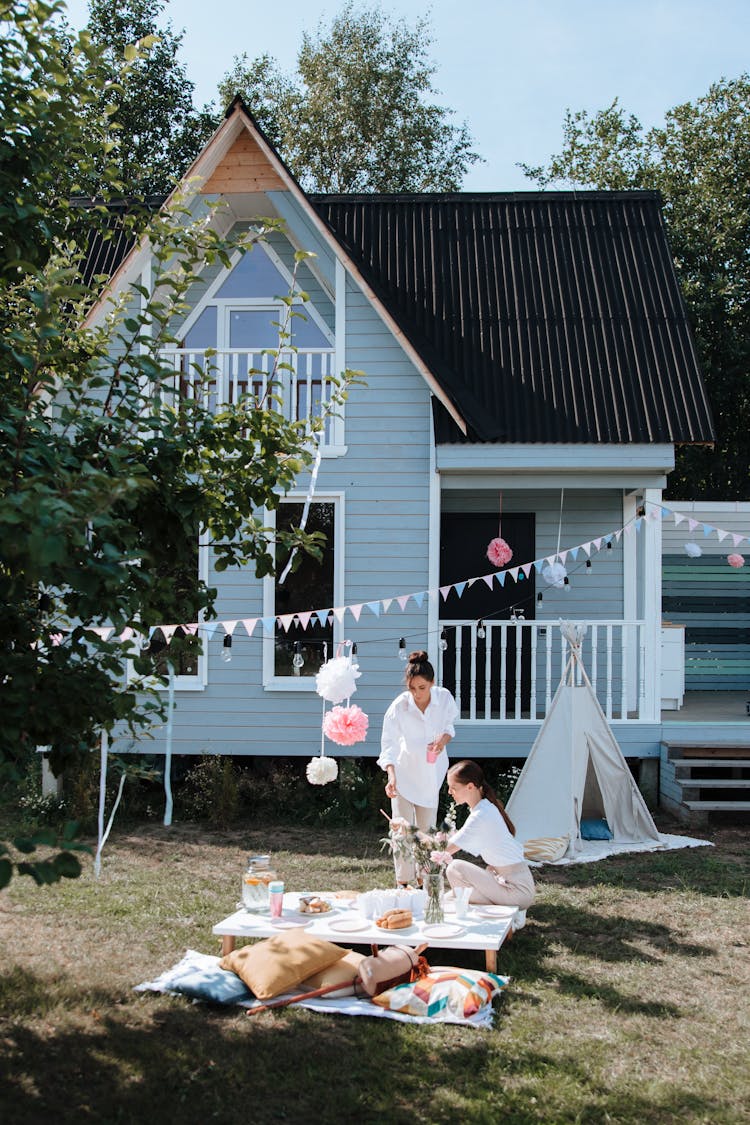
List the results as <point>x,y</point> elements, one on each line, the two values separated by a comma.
<point>443,930</point>
<point>289,924</point>
<point>350,925</point>
<point>304,916</point>
<point>494,911</point>
<point>401,930</point>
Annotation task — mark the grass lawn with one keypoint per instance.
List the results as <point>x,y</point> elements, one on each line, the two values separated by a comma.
<point>628,1000</point>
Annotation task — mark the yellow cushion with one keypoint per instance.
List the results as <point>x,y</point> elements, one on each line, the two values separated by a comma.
<point>277,964</point>
<point>546,849</point>
<point>342,972</point>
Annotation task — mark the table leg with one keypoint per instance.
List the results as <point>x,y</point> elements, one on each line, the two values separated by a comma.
<point>490,960</point>
<point>227,944</point>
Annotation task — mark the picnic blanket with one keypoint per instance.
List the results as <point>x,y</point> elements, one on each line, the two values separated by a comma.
<point>463,996</point>
<point>599,849</point>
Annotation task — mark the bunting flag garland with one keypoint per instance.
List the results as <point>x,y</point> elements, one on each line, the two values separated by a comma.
<point>549,566</point>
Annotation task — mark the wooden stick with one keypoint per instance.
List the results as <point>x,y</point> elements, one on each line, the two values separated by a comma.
<point>295,999</point>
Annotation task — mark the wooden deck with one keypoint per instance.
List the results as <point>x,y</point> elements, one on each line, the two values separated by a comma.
<point>712,707</point>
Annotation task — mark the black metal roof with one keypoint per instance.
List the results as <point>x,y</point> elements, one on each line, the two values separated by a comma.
<point>545,316</point>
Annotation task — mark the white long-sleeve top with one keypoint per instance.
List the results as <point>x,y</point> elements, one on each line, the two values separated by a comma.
<point>486,834</point>
<point>403,744</point>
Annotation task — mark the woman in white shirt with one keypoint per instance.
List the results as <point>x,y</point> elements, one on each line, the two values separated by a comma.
<point>490,834</point>
<point>417,727</point>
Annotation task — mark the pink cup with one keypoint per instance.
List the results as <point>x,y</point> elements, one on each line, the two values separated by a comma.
<point>432,755</point>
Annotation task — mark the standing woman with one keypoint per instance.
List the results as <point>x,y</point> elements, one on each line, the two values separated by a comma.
<point>417,727</point>
<point>490,834</point>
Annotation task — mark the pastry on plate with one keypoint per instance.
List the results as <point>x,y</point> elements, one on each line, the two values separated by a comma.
<point>395,920</point>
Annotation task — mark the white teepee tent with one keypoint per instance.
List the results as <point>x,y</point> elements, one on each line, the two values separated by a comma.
<point>576,770</point>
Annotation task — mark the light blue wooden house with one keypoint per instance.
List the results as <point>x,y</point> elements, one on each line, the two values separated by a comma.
<point>529,370</point>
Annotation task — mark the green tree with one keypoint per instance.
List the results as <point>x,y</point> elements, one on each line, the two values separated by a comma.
<point>359,113</point>
<point>156,130</point>
<point>106,473</point>
<point>699,161</point>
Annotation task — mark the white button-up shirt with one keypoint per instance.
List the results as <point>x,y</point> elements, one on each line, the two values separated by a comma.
<point>486,834</point>
<point>403,745</point>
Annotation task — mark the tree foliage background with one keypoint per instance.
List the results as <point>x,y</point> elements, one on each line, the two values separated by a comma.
<point>359,113</point>
<point>107,475</point>
<point>699,161</point>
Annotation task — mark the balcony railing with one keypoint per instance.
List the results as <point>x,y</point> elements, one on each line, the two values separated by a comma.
<point>513,672</point>
<point>300,388</point>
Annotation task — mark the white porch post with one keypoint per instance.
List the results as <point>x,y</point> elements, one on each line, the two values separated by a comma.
<point>652,531</point>
<point>340,345</point>
<point>630,593</point>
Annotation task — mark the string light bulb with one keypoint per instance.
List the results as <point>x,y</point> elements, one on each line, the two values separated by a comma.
<point>540,598</point>
<point>589,567</point>
<point>298,659</point>
<point>226,649</point>
<point>354,648</point>
<point>443,640</point>
<point>609,544</point>
<point>481,631</point>
<point>402,648</point>
<point>566,584</point>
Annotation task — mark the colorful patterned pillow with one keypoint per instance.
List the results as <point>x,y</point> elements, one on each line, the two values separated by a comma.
<point>545,849</point>
<point>444,995</point>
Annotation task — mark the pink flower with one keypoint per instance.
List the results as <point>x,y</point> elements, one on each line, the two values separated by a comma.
<point>736,561</point>
<point>499,553</point>
<point>346,725</point>
<point>441,858</point>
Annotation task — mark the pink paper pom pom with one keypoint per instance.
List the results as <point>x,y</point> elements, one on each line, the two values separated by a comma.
<point>346,725</point>
<point>499,553</point>
<point>736,561</point>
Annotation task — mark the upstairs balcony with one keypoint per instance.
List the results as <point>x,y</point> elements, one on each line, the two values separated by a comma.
<point>297,383</point>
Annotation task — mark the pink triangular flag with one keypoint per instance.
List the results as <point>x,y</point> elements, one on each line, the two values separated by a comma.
<point>562,556</point>
<point>304,618</point>
<point>402,599</point>
<point>737,539</point>
<point>355,610</point>
<point>692,524</point>
<point>488,578</point>
<point>526,568</point>
<point>445,590</point>
<point>126,634</point>
<point>597,543</point>
<point>191,629</point>
<point>250,623</point>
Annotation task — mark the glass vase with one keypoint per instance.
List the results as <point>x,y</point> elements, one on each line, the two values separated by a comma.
<point>433,910</point>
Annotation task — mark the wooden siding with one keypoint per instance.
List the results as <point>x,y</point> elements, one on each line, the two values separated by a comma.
<point>244,169</point>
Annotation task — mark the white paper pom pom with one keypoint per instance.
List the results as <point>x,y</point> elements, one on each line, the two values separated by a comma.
<point>322,770</point>
<point>555,574</point>
<point>336,679</point>
<point>693,550</point>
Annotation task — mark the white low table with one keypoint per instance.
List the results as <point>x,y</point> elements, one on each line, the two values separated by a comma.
<point>478,932</point>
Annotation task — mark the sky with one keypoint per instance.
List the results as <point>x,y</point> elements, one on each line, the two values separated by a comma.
<point>509,69</point>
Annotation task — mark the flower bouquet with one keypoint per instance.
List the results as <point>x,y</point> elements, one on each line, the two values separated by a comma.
<point>427,851</point>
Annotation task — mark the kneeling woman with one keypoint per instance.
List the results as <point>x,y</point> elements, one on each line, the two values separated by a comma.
<point>488,833</point>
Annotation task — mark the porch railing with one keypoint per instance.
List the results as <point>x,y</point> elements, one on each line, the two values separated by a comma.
<point>300,388</point>
<point>513,672</point>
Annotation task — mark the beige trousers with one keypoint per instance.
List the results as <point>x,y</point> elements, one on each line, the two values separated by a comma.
<point>424,819</point>
<point>501,886</point>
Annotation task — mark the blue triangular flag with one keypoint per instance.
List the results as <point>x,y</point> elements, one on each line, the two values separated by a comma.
<point>459,588</point>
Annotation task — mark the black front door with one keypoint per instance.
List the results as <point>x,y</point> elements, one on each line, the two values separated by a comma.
<point>464,538</point>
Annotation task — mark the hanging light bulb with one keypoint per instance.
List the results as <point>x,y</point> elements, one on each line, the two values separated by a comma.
<point>226,649</point>
<point>402,649</point>
<point>566,584</point>
<point>298,659</point>
<point>589,567</point>
<point>354,648</point>
<point>539,598</point>
<point>481,631</point>
<point>609,544</point>
<point>443,640</point>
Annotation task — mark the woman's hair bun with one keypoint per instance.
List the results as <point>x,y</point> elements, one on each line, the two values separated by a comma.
<point>418,657</point>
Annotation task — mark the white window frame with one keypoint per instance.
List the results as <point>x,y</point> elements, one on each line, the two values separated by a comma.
<point>304,682</point>
<point>199,681</point>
